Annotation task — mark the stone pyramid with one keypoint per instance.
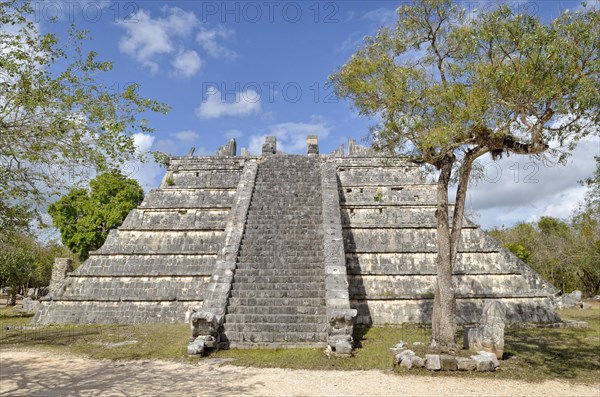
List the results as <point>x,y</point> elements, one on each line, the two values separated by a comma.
<point>281,249</point>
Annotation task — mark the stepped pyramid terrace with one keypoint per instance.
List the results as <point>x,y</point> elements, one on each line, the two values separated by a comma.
<point>288,250</point>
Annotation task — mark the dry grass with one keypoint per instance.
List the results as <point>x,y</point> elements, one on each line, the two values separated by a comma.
<point>531,354</point>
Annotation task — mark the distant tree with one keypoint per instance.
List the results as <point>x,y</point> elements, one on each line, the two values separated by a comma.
<point>17,253</point>
<point>586,222</point>
<point>591,202</point>
<point>27,263</point>
<point>84,218</point>
<point>58,116</point>
<point>566,253</point>
<point>447,90</point>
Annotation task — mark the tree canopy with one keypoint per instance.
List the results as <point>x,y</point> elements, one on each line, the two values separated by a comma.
<point>447,88</point>
<point>26,262</point>
<point>58,117</point>
<point>85,218</point>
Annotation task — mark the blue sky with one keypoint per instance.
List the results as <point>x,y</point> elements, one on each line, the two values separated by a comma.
<point>245,70</point>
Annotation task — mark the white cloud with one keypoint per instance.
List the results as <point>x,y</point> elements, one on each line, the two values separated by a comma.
<point>352,42</point>
<point>515,189</point>
<point>147,174</point>
<point>176,147</point>
<point>187,136</point>
<point>187,63</point>
<point>143,142</point>
<point>207,38</point>
<point>291,137</point>
<point>381,16</point>
<point>215,106</point>
<point>146,38</point>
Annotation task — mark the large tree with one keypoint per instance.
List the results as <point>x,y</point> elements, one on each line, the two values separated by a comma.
<point>85,218</point>
<point>448,88</point>
<point>60,115</point>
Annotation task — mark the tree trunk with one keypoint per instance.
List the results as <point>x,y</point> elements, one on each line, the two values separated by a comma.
<point>12,297</point>
<point>461,198</point>
<point>444,302</point>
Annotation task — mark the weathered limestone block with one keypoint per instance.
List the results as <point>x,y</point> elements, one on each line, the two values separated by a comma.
<point>148,265</point>
<point>113,312</point>
<point>229,149</point>
<point>339,152</point>
<point>466,364</point>
<point>410,263</point>
<point>205,323</point>
<point>354,149</point>
<point>161,242</point>
<point>30,305</point>
<point>341,323</point>
<point>405,355</point>
<point>369,240</point>
<point>138,288</point>
<point>417,362</point>
<point>312,144</point>
<point>484,363</point>
<point>60,269</point>
<point>379,213</point>
<point>382,197</point>
<point>400,309</point>
<point>270,146</point>
<point>357,177</point>
<point>180,199</point>
<point>343,347</point>
<point>226,179</point>
<point>570,301</point>
<point>448,363</point>
<point>341,316</point>
<point>412,361</point>
<point>491,356</point>
<point>489,335</point>
<point>205,331</point>
<point>432,362</point>
<point>415,286</point>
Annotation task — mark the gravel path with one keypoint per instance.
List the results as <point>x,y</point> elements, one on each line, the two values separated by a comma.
<point>36,373</point>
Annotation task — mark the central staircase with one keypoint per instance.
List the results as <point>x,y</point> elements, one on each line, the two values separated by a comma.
<point>278,293</point>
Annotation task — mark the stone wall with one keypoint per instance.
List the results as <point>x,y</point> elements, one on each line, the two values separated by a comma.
<point>60,269</point>
<point>157,265</point>
<point>388,217</point>
<point>212,240</point>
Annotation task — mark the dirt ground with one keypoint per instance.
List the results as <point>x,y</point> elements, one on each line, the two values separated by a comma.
<point>36,373</point>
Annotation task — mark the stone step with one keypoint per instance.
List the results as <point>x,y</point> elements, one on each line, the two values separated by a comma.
<point>256,337</point>
<point>278,345</point>
<point>289,247</point>
<point>275,225</point>
<point>283,218</point>
<point>293,309</point>
<point>281,254</point>
<point>260,272</point>
<point>281,294</point>
<point>240,279</point>
<point>281,264</point>
<point>273,302</point>
<point>293,244</point>
<point>300,239</point>
<point>292,187</point>
<point>277,328</point>
<point>294,286</point>
<point>283,319</point>
<point>282,215</point>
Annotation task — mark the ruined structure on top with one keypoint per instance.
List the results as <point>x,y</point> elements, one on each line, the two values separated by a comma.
<point>292,250</point>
